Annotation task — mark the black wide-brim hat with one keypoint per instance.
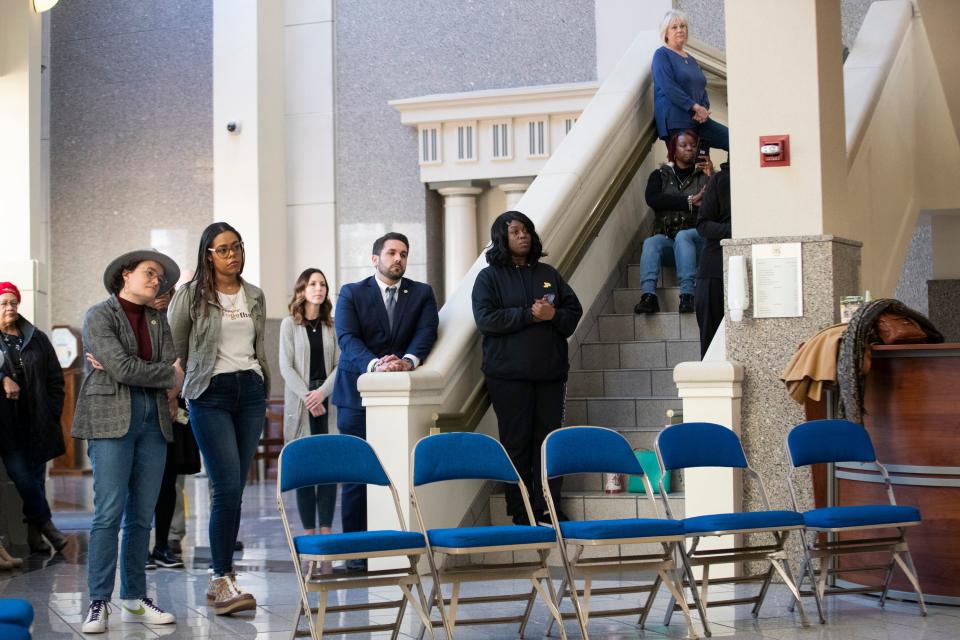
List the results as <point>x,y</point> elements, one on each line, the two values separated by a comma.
<point>171,272</point>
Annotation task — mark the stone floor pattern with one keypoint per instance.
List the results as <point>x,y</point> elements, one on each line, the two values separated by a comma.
<point>58,590</point>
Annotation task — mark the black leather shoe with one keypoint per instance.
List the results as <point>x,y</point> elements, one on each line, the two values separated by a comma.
<point>167,559</point>
<point>238,545</point>
<point>648,304</point>
<point>686,303</point>
<point>35,540</point>
<point>356,565</point>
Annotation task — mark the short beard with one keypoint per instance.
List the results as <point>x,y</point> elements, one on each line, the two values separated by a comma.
<point>386,274</point>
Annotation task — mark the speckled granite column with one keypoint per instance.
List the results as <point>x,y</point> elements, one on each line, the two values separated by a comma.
<point>831,270</point>
<point>943,302</point>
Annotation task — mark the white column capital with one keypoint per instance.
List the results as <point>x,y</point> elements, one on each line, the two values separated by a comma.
<point>449,192</point>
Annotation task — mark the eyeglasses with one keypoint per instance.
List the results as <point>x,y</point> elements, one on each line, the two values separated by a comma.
<point>150,274</point>
<point>12,304</point>
<point>225,250</point>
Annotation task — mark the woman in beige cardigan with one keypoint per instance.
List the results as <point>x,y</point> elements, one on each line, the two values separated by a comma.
<point>308,359</point>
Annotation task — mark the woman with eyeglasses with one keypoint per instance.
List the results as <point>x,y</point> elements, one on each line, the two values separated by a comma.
<point>308,361</point>
<point>31,399</point>
<point>218,323</point>
<point>124,413</point>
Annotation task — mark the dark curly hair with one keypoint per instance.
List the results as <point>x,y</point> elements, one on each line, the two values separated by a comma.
<point>116,283</point>
<point>498,252</point>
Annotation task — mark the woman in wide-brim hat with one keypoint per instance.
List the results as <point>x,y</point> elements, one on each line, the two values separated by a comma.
<point>123,413</point>
<point>31,399</point>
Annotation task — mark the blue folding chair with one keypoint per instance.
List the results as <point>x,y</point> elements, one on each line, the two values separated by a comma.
<point>16,619</point>
<point>703,444</point>
<point>329,459</point>
<point>474,456</point>
<point>833,441</point>
<point>575,450</point>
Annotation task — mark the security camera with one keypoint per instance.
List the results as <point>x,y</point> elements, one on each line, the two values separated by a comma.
<point>233,127</point>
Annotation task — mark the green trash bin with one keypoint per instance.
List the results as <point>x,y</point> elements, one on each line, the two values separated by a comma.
<point>648,460</point>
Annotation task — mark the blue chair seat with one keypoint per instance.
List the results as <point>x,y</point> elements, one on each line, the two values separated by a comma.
<point>861,515</point>
<point>14,632</point>
<point>744,520</point>
<point>358,542</point>
<point>16,611</point>
<point>468,537</point>
<point>626,528</point>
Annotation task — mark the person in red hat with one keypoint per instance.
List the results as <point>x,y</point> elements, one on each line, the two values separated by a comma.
<point>30,406</point>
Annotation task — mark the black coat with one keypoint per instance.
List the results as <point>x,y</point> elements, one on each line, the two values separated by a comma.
<point>713,223</point>
<point>514,346</point>
<point>32,423</point>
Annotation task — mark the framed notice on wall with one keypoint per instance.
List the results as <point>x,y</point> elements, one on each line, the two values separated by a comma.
<point>777,280</point>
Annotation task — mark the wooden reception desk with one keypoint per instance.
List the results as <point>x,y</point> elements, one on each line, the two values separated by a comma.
<point>912,402</point>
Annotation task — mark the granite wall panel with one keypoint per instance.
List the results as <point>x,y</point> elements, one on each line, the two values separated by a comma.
<point>130,135</point>
<point>390,50</point>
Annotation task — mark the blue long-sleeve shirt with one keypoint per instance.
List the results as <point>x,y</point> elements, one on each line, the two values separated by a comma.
<point>678,84</point>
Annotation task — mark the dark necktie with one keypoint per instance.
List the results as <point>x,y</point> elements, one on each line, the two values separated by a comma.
<point>391,304</point>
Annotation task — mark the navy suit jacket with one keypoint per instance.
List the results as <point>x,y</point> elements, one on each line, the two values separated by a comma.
<point>363,331</point>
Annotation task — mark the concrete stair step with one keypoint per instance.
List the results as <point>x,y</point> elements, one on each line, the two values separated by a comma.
<point>610,383</point>
<point>619,412</point>
<point>636,354</point>
<point>621,327</point>
<point>626,298</point>
<point>668,276</point>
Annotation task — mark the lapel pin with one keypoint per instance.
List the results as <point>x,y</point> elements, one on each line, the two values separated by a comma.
<point>547,285</point>
<point>405,291</point>
<point>153,322</point>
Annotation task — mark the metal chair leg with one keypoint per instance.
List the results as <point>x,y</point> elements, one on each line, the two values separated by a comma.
<point>905,560</point>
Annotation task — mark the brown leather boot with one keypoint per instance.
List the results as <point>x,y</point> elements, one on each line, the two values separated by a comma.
<point>7,561</point>
<point>53,535</point>
<point>227,598</point>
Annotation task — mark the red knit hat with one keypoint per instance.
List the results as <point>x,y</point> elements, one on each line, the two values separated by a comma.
<point>9,287</point>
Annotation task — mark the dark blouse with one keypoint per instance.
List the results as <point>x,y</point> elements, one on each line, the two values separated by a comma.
<point>318,368</point>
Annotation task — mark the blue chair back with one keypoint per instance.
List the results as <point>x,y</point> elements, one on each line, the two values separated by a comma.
<point>461,456</point>
<point>589,450</point>
<point>328,459</point>
<point>700,444</point>
<point>829,441</point>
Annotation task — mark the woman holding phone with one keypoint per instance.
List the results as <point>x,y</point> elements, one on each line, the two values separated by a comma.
<point>525,311</point>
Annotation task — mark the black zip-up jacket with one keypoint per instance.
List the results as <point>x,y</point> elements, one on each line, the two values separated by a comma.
<point>713,223</point>
<point>514,346</point>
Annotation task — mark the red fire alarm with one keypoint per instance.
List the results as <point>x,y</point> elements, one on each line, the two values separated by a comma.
<point>774,151</point>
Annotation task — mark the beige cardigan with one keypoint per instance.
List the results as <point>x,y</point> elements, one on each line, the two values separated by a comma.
<point>295,370</point>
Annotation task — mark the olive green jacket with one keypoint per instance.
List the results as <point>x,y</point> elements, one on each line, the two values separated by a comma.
<point>196,336</point>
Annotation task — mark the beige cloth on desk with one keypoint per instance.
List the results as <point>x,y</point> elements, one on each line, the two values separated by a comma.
<point>813,363</point>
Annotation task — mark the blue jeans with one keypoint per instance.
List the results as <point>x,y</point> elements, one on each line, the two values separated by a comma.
<point>29,478</point>
<point>711,132</point>
<point>683,252</point>
<point>227,421</point>
<point>126,482</point>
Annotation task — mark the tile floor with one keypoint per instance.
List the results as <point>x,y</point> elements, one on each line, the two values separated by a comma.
<point>57,588</point>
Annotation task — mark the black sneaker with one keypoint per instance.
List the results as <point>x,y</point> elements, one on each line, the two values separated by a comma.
<point>151,563</point>
<point>686,303</point>
<point>167,559</point>
<point>238,545</point>
<point>648,304</point>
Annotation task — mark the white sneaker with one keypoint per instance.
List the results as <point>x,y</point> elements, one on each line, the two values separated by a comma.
<point>143,610</point>
<point>96,619</point>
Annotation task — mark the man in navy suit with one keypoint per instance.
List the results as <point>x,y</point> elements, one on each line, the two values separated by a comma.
<point>384,323</point>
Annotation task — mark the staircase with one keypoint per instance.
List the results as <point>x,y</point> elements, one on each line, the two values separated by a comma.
<point>621,377</point>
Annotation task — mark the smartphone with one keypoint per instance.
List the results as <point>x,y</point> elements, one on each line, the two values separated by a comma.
<point>703,152</point>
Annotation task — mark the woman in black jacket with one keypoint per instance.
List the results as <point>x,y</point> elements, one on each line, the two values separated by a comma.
<point>525,311</point>
<point>713,225</point>
<point>30,407</point>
